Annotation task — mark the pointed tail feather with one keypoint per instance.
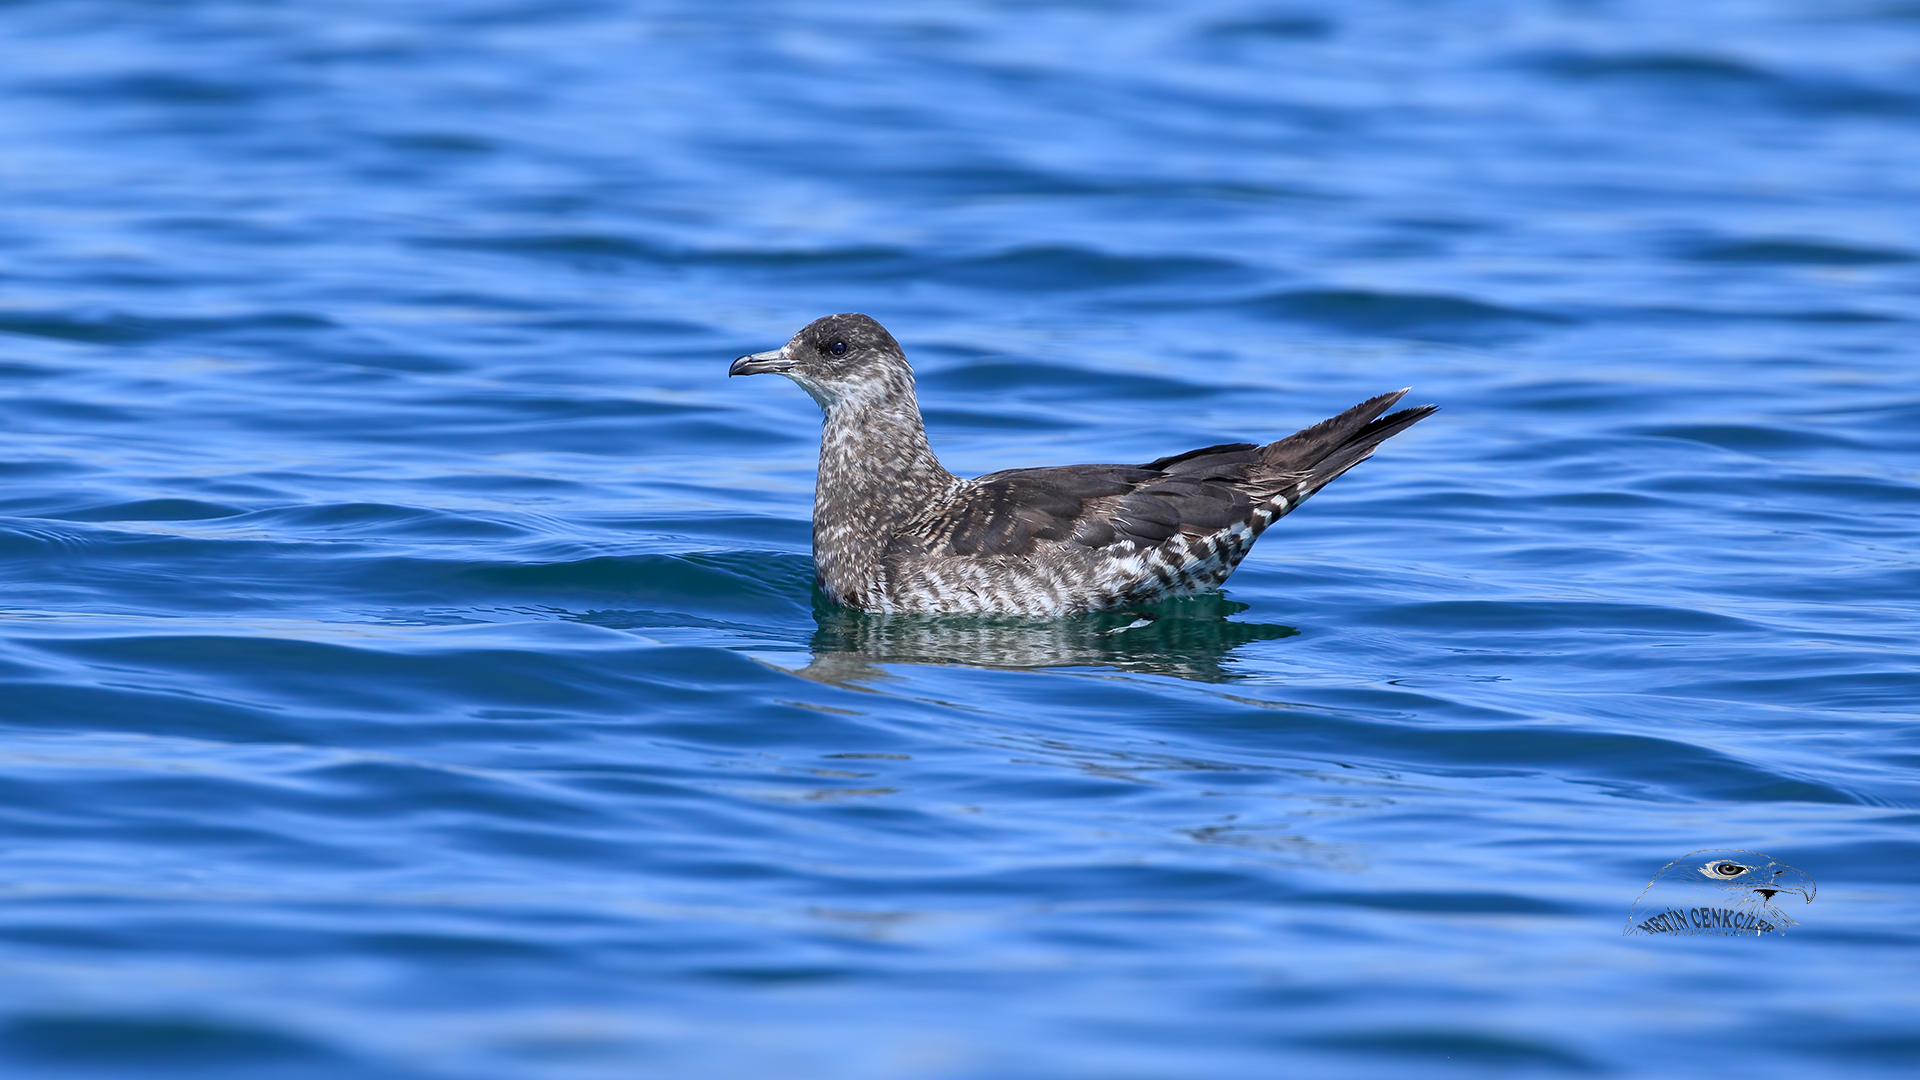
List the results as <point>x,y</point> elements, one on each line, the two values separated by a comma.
<point>1361,447</point>
<point>1302,450</point>
<point>1310,460</point>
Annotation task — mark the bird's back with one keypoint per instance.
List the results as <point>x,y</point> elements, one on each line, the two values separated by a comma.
<point>1076,538</point>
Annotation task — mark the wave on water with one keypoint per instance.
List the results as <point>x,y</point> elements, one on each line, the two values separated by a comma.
<point>411,664</point>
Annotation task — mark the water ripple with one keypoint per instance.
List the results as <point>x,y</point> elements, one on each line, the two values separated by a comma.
<point>410,664</point>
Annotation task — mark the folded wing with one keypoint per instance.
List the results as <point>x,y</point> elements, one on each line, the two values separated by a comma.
<point>1170,502</point>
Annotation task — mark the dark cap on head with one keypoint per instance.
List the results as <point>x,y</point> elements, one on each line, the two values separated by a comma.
<point>830,350</point>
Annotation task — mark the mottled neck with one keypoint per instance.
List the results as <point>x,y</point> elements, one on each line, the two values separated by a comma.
<point>876,474</point>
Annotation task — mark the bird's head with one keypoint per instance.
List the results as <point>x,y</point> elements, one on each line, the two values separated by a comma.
<point>1741,872</point>
<point>837,359</point>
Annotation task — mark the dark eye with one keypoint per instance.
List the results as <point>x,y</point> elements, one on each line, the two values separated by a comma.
<point>1727,869</point>
<point>838,348</point>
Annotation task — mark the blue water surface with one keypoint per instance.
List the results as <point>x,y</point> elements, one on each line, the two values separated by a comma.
<point>409,663</point>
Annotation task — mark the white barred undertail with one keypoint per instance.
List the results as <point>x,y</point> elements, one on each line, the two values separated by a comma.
<point>894,531</point>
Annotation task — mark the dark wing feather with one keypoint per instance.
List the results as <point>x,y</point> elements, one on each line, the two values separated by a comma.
<point>1166,464</point>
<point>1091,505</point>
<point>1195,494</point>
<point>1005,512</point>
<point>1146,518</point>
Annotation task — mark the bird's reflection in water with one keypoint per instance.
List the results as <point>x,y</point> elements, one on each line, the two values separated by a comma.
<point>1187,638</point>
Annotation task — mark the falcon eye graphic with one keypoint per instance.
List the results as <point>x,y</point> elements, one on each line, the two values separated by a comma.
<point>1729,893</point>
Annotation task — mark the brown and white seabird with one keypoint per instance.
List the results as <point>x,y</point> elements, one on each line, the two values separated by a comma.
<point>893,531</point>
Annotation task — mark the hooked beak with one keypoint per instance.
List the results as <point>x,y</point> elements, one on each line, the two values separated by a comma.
<point>760,363</point>
<point>1789,881</point>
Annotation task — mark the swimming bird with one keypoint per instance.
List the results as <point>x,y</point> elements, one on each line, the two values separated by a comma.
<point>894,531</point>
